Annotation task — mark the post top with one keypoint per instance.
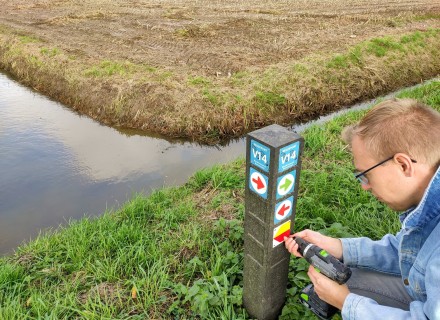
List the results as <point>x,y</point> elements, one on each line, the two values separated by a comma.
<point>274,135</point>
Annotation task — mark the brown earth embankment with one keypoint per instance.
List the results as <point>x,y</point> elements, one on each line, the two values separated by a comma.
<point>209,70</point>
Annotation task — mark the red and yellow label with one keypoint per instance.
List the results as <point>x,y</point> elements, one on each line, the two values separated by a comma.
<point>280,232</point>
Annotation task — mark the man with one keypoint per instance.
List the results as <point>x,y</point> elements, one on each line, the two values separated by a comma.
<point>396,151</point>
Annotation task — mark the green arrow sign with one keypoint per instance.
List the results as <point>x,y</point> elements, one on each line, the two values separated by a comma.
<point>286,184</point>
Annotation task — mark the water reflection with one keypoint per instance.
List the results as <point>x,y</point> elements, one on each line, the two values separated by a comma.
<point>56,165</point>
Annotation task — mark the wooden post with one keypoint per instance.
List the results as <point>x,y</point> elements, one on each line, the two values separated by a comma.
<point>273,165</point>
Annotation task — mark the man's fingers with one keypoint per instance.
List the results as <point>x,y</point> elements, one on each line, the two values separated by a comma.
<point>300,234</point>
<point>291,246</point>
<point>312,273</point>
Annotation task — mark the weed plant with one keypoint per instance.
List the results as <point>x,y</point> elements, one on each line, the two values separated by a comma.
<point>178,253</point>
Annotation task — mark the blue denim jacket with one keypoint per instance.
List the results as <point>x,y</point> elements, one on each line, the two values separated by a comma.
<point>413,253</point>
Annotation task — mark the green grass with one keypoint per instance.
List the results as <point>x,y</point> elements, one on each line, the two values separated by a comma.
<point>380,46</point>
<point>178,253</point>
<point>197,80</point>
<point>28,39</point>
<point>50,52</point>
<point>267,99</point>
<point>109,68</point>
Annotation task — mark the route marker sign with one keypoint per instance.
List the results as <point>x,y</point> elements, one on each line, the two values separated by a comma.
<point>258,183</point>
<point>283,210</point>
<point>288,156</point>
<point>280,232</point>
<point>260,155</point>
<point>285,184</point>
<point>273,165</point>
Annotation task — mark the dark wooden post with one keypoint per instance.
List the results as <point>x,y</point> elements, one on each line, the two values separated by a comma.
<point>273,165</point>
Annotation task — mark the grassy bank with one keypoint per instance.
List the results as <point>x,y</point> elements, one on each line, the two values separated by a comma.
<point>177,254</point>
<point>207,107</point>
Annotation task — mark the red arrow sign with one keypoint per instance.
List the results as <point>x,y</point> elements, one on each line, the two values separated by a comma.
<point>260,184</point>
<point>283,209</point>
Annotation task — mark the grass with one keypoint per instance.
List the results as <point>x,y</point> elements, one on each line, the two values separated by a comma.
<point>108,68</point>
<point>178,253</point>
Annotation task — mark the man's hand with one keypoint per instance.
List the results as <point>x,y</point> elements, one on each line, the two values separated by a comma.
<point>292,246</point>
<point>328,290</point>
<point>331,245</point>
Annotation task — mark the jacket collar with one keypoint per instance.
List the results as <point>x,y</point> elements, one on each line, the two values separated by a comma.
<point>428,208</point>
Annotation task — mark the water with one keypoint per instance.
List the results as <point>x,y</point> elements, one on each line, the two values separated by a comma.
<point>56,165</point>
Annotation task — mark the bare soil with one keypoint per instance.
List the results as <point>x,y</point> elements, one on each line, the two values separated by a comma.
<point>199,38</point>
<point>213,37</point>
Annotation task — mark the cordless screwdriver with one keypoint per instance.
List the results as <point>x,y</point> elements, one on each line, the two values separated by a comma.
<point>329,266</point>
<point>323,261</point>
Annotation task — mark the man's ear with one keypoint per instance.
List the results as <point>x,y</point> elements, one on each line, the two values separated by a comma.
<point>405,163</point>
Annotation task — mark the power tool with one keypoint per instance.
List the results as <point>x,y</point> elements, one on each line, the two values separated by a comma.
<point>329,266</point>
<point>323,261</point>
<point>310,299</point>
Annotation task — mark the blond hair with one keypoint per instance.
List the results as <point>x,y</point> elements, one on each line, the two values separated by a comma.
<point>400,125</point>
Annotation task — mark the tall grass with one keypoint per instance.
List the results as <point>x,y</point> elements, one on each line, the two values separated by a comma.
<point>178,253</point>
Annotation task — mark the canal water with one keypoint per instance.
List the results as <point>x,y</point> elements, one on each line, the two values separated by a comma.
<point>56,165</point>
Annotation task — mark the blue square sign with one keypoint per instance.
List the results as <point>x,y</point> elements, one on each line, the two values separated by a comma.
<point>283,210</point>
<point>288,156</point>
<point>258,183</point>
<point>260,155</point>
<point>286,184</point>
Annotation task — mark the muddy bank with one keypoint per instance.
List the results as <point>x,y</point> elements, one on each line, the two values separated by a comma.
<point>214,70</point>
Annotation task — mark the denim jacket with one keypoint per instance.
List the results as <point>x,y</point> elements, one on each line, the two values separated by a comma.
<point>413,253</point>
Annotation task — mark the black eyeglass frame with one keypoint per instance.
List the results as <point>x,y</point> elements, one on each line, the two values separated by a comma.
<point>359,175</point>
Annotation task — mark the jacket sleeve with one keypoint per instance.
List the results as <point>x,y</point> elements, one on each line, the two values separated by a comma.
<point>381,255</point>
<point>432,284</point>
<point>357,307</point>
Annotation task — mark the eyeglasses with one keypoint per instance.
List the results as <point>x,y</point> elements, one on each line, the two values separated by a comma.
<point>360,176</point>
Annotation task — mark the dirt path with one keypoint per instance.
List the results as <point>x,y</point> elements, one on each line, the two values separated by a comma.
<point>210,39</point>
